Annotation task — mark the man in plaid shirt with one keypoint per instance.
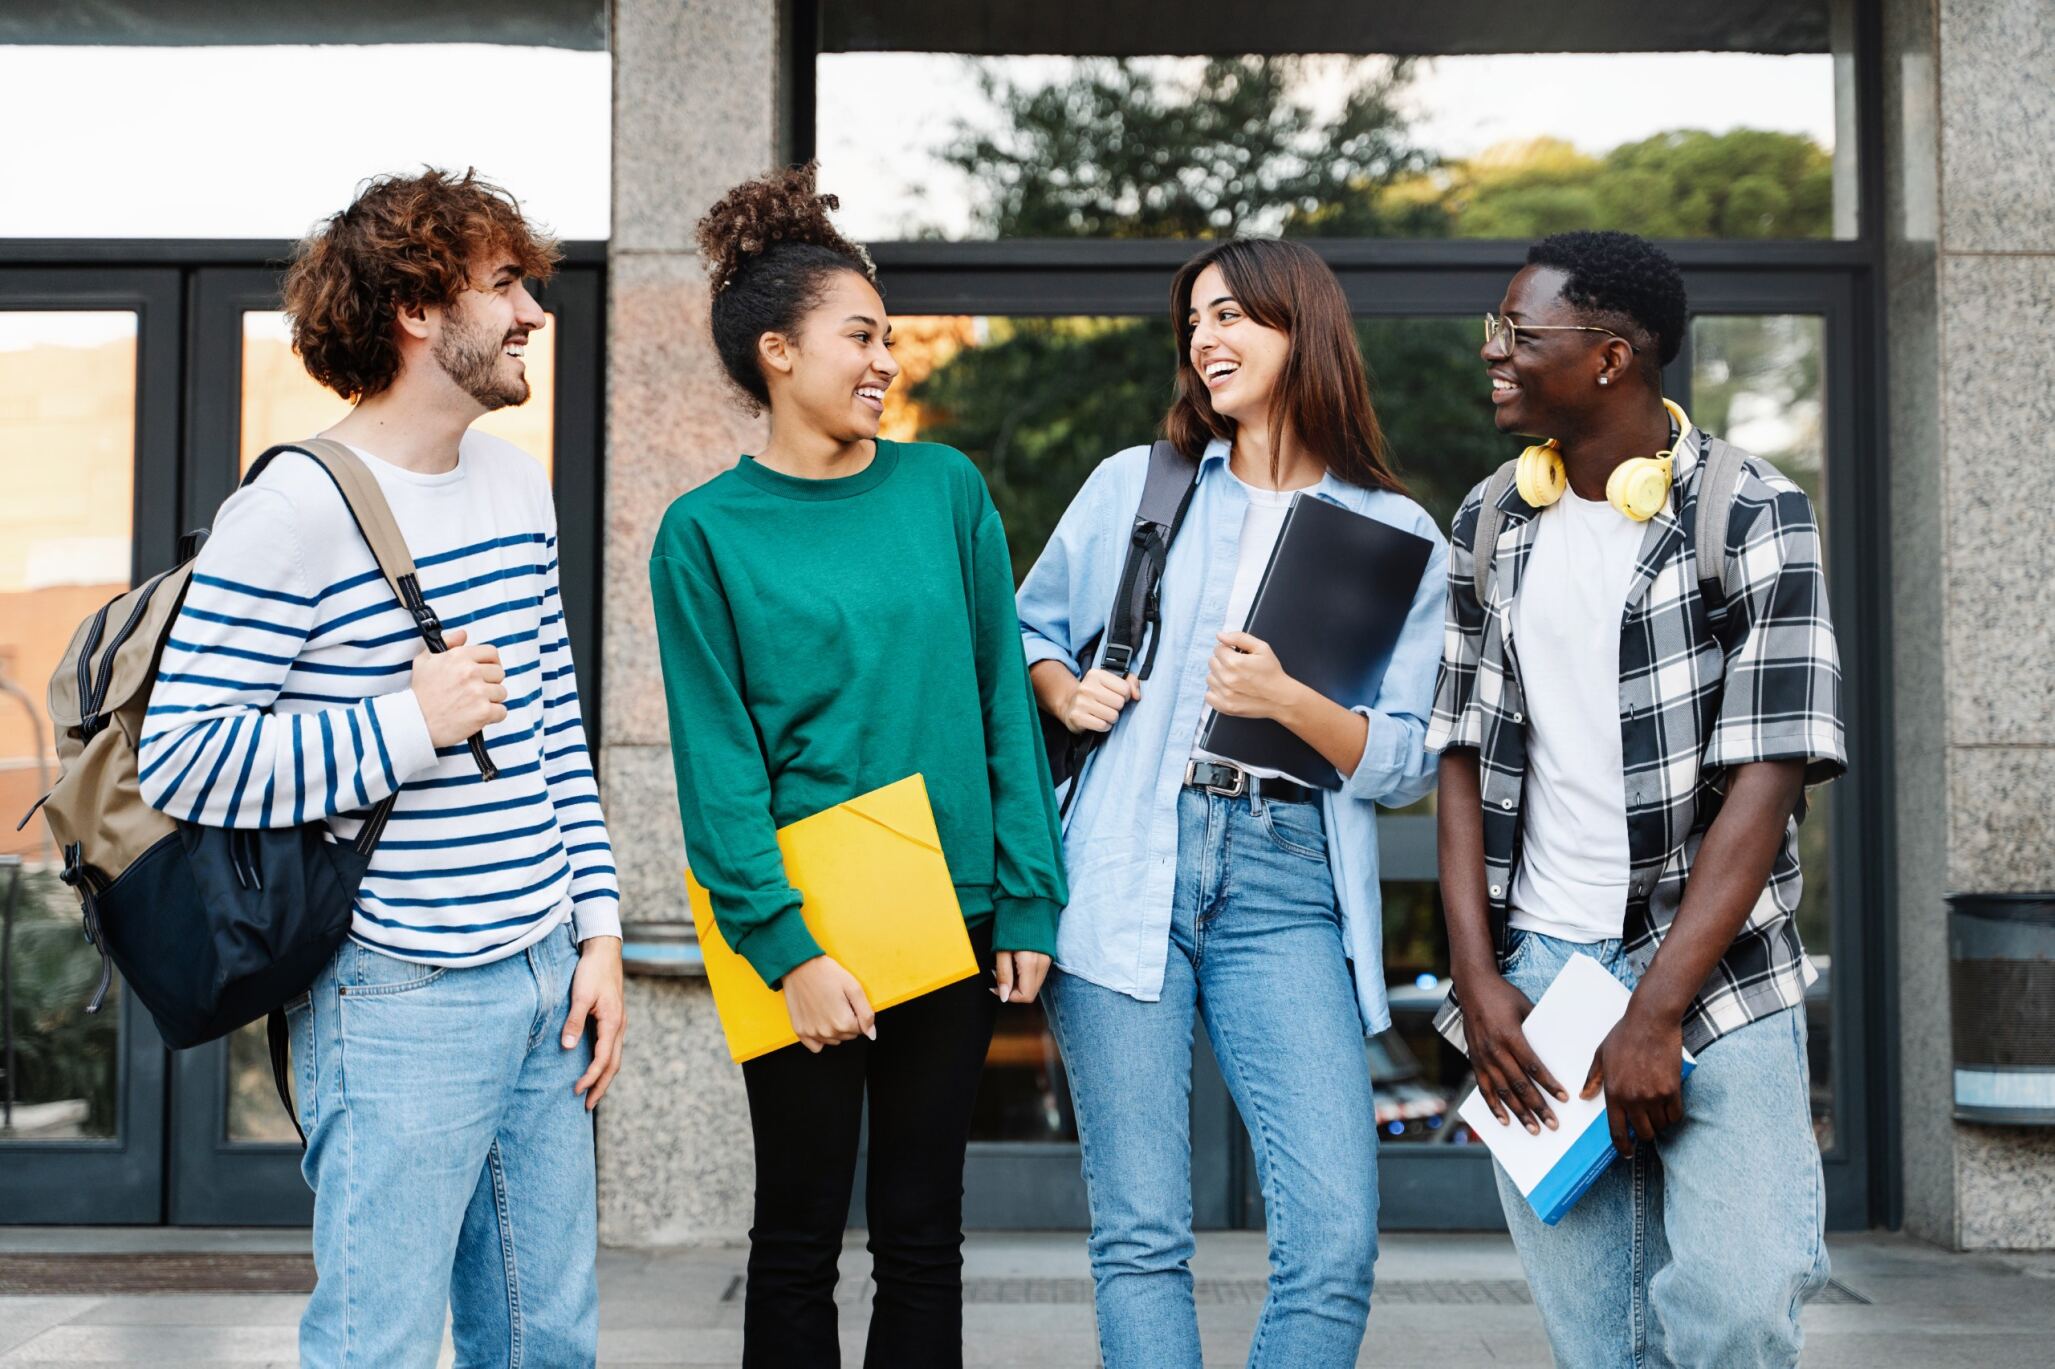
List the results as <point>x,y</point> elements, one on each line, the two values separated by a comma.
<point>1625,756</point>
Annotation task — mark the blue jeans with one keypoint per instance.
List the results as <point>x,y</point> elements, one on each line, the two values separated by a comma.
<point>451,1163</point>
<point>1700,1252</point>
<point>1256,949</point>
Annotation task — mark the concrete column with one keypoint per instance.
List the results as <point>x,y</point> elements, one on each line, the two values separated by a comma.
<point>1970,266</point>
<point>697,105</point>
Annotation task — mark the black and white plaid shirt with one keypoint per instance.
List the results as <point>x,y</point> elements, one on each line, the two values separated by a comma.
<point>1690,710</point>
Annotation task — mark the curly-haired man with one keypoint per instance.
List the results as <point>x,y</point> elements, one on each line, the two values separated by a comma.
<point>1626,737</point>
<point>442,1056</point>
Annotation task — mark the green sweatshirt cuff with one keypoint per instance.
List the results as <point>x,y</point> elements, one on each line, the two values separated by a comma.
<point>1024,924</point>
<point>778,946</point>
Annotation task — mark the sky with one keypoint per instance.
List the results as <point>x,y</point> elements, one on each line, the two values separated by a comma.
<point>215,142</point>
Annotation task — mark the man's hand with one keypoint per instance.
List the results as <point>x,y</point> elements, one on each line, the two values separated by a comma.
<point>827,1005</point>
<point>462,691</point>
<point>596,993</point>
<point>1096,701</point>
<point>1640,1065</point>
<point>1509,1074</point>
<point>1020,975</point>
<point>1246,680</point>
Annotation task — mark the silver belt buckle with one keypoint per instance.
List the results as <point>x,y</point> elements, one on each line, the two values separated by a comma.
<point>1241,779</point>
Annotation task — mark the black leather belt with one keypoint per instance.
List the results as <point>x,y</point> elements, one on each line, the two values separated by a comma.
<point>1232,782</point>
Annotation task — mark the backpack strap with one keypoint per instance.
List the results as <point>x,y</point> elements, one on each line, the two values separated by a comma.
<point>1490,518</point>
<point>1166,495</point>
<point>373,517</point>
<point>1717,484</point>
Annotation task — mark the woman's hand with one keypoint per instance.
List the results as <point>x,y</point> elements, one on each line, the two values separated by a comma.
<point>596,994</point>
<point>827,1005</point>
<point>1020,975</point>
<point>1095,702</point>
<point>1246,680</point>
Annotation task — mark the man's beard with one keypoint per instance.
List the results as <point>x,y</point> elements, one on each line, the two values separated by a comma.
<point>472,360</point>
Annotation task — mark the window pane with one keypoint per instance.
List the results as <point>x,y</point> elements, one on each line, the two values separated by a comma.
<point>1759,381</point>
<point>251,1110</point>
<point>67,444</point>
<point>282,403</point>
<point>157,123</point>
<point>938,145</point>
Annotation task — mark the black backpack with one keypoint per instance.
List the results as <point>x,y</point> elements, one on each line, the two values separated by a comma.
<point>1137,605</point>
<point>212,927</point>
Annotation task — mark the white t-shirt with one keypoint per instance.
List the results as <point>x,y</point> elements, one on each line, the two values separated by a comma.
<point>1572,879</point>
<point>1260,527</point>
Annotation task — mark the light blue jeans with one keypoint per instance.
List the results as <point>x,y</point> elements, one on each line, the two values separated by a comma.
<point>1699,1253</point>
<point>1256,949</point>
<point>451,1163</point>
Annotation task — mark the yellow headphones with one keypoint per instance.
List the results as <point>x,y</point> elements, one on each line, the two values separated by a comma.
<point>1638,487</point>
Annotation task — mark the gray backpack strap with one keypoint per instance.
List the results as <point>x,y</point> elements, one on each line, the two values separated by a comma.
<point>1490,518</point>
<point>1716,486</point>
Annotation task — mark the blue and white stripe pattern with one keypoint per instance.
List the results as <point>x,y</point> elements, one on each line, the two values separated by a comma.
<point>283,697</point>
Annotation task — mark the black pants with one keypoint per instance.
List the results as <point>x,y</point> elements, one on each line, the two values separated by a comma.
<point>805,1111</point>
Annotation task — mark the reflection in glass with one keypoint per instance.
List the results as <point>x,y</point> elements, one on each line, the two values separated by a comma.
<point>1023,1094</point>
<point>1759,380</point>
<point>67,444</point>
<point>1509,145</point>
<point>59,1068</point>
<point>251,1109</point>
<point>281,402</point>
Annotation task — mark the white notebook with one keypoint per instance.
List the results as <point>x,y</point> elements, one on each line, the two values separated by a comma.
<point>1555,1168</point>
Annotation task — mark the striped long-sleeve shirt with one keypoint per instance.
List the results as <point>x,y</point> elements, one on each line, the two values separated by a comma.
<point>284,697</point>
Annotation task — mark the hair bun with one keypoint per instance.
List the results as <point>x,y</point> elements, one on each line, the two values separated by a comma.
<point>780,207</point>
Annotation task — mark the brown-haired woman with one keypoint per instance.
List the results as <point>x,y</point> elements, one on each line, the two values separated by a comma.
<point>1248,897</point>
<point>835,614</point>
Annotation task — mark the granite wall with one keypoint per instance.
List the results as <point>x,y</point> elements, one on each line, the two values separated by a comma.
<point>1970,274</point>
<point>697,104</point>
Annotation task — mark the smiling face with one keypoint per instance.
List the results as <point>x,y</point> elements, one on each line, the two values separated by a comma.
<point>1547,383</point>
<point>1238,359</point>
<point>831,373</point>
<point>482,337</point>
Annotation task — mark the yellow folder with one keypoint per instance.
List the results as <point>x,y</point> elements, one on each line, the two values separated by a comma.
<point>878,899</point>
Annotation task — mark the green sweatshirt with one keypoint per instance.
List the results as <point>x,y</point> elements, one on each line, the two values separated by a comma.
<point>823,638</point>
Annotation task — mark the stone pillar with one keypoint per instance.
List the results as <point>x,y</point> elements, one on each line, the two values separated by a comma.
<point>697,108</point>
<point>1970,270</point>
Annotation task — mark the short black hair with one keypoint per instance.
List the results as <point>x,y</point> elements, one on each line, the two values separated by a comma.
<point>1609,272</point>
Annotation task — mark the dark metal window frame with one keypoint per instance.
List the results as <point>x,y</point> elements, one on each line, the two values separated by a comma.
<point>170,1160</point>
<point>1839,280</point>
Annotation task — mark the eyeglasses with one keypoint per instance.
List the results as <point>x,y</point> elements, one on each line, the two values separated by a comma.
<point>1494,325</point>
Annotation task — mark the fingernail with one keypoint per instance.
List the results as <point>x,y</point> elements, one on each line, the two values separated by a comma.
<point>570,1041</point>
<point>1003,994</point>
<point>1533,1130</point>
<point>1552,1124</point>
<point>871,1032</point>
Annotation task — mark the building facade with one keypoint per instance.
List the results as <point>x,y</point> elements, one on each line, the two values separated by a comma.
<point>1872,316</point>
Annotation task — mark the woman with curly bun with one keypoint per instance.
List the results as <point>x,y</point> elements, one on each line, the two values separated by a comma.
<point>835,613</point>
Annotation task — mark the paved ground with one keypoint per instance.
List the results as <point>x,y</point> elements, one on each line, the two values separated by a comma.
<point>1443,1301</point>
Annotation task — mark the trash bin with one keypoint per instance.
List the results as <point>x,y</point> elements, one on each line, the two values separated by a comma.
<point>2001,975</point>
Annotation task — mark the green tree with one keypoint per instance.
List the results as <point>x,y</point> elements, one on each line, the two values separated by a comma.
<point>1121,149</point>
<point>1746,183</point>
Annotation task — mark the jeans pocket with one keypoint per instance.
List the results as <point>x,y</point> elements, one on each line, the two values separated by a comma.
<point>1295,828</point>
<point>1518,944</point>
<point>367,974</point>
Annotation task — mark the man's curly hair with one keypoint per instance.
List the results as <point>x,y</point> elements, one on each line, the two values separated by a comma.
<point>1620,279</point>
<point>405,242</point>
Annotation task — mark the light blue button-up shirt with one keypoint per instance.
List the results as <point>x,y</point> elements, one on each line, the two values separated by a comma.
<point>1121,837</point>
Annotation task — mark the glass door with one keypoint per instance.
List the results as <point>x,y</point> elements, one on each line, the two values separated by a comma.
<point>235,1157</point>
<point>88,403</point>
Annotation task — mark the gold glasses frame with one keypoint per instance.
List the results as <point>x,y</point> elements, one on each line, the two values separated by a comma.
<point>1494,324</point>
